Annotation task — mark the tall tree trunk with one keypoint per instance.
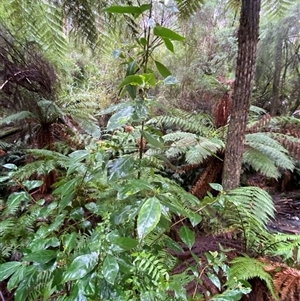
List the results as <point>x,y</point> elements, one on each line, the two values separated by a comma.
<point>247,44</point>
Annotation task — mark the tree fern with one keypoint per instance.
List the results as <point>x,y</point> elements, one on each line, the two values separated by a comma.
<point>266,155</point>
<point>44,21</point>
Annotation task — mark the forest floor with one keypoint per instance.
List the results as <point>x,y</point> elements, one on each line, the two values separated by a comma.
<point>287,216</point>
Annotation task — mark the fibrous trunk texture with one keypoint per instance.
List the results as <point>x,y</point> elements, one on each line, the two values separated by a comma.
<point>247,44</point>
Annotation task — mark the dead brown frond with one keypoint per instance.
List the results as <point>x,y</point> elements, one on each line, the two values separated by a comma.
<point>286,280</point>
<point>222,110</point>
<point>209,175</point>
<point>261,123</point>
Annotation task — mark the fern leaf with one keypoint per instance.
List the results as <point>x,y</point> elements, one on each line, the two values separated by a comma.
<point>276,8</point>
<point>16,117</point>
<point>188,7</point>
<point>245,268</point>
<point>271,148</point>
<point>255,201</point>
<point>261,163</point>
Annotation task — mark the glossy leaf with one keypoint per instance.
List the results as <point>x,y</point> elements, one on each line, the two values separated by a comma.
<point>229,295</point>
<point>10,166</point>
<point>195,218</point>
<point>216,186</point>
<point>110,269</point>
<point>148,217</point>
<point>32,184</point>
<point>8,268</point>
<point>152,140</point>
<point>164,32</point>
<point>162,69</point>
<point>215,280</point>
<point>133,187</point>
<point>69,241</point>
<point>81,266</point>
<point>187,236</point>
<point>121,167</point>
<point>149,78</point>
<point>42,256</point>
<point>136,80</point>
<point>126,243</point>
<point>120,118</point>
<point>170,80</point>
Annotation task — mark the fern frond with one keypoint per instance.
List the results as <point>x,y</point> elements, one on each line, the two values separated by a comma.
<point>16,117</point>
<point>245,268</point>
<point>270,148</point>
<point>175,136</point>
<point>254,201</point>
<point>188,7</point>
<point>203,149</point>
<point>201,124</point>
<point>260,162</point>
<point>41,22</point>
<point>283,245</point>
<point>276,8</point>
<point>82,17</point>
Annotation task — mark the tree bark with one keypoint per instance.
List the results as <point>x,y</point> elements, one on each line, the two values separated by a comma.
<point>247,45</point>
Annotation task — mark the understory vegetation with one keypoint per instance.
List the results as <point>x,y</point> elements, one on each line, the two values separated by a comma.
<point>113,135</point>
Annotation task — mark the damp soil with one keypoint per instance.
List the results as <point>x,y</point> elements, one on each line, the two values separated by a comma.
<point>287,215</point>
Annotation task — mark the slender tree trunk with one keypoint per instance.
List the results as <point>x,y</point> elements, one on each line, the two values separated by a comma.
<point>247,44</point>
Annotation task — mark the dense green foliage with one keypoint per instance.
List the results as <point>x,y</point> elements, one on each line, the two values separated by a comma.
<point>89,219</point>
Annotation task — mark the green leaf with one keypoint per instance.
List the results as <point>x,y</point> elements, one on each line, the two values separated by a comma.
<point>162,69</point>
<point>133,187</point>
<point>42,256</point>
<point>8,268</point>
<point>131,68</point>
<point>152,140</point>
<point>80,267</point>
<point>126,243</point>
<point>110,269</point>
<point>215,280</point>
<point>170,80</point>
<point>118,9</point>
<point>229,295</point>
<point>148,217</point>
<point>143,41</point>
<point>195,218</point>
<point>120,118</point>
<point>121,167</point>
<point>149,78</point>
<point>187,236</point>
<point>69,241</point>
<point>164,32</point>
<point>136,80</point>
<point>32,184</point>
<point>10,166</point>
<point>168,44</point>
<point>216,186</point>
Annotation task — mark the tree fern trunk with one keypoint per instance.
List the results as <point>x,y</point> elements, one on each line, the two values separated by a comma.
<point>247,44</point>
